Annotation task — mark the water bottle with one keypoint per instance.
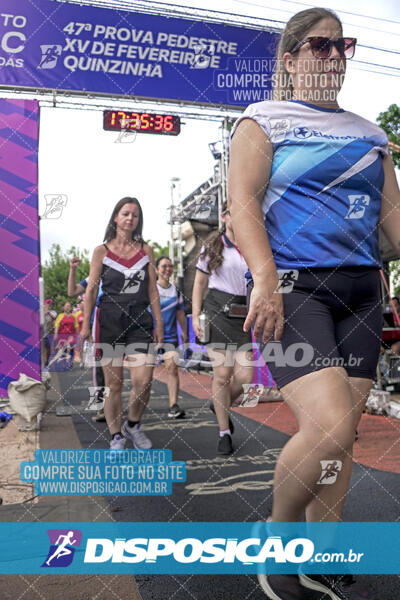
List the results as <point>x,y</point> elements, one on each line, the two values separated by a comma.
<point>205,328</point>
<point>88,355</point>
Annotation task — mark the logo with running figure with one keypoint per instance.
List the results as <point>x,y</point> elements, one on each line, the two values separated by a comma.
<point>50,56</point>
<point>55,203</point>
<point>128,133</point>
<point>133,279</point>
<point>330,471</point>
<point>202,55</point>
<point>287,279</point>
<point>61,551</point>
<point>358,203</point>
<point>279,129</point>
<point>252,393</point>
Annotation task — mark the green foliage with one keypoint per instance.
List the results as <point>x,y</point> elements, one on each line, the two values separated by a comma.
<point>389,120</point>
<point>158,250</point>
<point>55,273</point>
<point>395,277</point>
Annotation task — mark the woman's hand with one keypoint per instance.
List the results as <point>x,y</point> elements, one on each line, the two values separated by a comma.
<point>196,327</point>
<point>158,334</point>
<point>74,262</point>
<point>265,312</point>
<point>86,334</point>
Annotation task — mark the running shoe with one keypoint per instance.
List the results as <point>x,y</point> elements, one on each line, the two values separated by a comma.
<point>231,425</point>
<point>334,587</point>
<point>118,442</point>
<point>175,412</point>
<point>138,437</point>
<point>225,445</point>
<point>283,587</point>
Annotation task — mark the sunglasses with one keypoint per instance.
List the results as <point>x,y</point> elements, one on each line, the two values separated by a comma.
<point>321,47</point>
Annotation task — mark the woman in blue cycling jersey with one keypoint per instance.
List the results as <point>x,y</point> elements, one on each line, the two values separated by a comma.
<point>172,311</point>
<point>309,184</point>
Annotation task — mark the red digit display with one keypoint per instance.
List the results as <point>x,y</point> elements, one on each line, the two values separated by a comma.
<point>158,122</point>
<point>116,120</point>
<point>144,121</point>
<point>135,120</point>
<point>168,123</point>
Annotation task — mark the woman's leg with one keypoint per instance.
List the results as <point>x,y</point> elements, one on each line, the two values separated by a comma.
<point>221,393</point>
<point>113,402</point>
<point>171,365</point>
<point>243,373</point>
<point>141,371</point>
<point>322,403</point>
<point>328,504</point>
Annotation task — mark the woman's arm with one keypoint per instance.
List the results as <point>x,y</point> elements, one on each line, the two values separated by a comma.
<point>154,297</point>
<point>390,210</point>
<point>181,318</point>
<point>249,172</point>
<point>74,289</point>
<point>92,290</point>
<point>199,287</point>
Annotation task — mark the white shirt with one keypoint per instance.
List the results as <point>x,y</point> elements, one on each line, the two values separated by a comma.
<point>230,276</point>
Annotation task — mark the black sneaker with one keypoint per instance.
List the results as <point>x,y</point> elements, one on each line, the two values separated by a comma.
<point>283,587</point>
<point>225,444</point>
<point>334,587</point>
<point>231,425</point>
<point>175,412</point>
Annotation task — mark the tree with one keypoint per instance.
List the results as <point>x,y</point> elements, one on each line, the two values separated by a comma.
<point>394,267</point>
<point>55,273</point>
<point>158,249</point>
<point>389,120</point>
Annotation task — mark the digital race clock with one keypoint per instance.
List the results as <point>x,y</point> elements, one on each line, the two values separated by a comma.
<point>142,122</point>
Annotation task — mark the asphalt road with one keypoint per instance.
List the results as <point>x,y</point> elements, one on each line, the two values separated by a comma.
<point>236,488</point>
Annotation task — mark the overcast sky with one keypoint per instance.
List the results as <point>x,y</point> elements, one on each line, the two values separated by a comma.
<point>83,162</point>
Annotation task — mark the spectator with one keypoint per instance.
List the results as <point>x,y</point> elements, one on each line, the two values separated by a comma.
<point>172,310</point>
<point>65,330</point>
<point>48,329</point>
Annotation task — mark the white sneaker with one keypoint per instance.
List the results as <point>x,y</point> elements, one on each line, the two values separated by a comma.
<point>117,443</point>
<point>138,437</point>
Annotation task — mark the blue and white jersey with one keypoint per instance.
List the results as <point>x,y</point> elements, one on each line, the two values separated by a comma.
<point>84,284</point>
<point>323,200</point>
<point>170,302</point>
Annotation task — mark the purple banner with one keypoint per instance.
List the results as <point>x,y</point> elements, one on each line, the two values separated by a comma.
<point>64,46</point>
<point>19,243</point>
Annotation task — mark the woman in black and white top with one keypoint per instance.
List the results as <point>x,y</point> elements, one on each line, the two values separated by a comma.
<point>125,267</point>
<point>222,268</point>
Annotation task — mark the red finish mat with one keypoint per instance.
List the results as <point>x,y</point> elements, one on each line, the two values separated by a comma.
<point>378,445</point>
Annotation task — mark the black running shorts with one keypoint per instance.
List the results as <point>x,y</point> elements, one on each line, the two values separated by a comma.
<point>332,318</point>
<point>125,325</point>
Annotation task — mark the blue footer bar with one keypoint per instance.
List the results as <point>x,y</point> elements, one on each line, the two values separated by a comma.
<point>199,548</point>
